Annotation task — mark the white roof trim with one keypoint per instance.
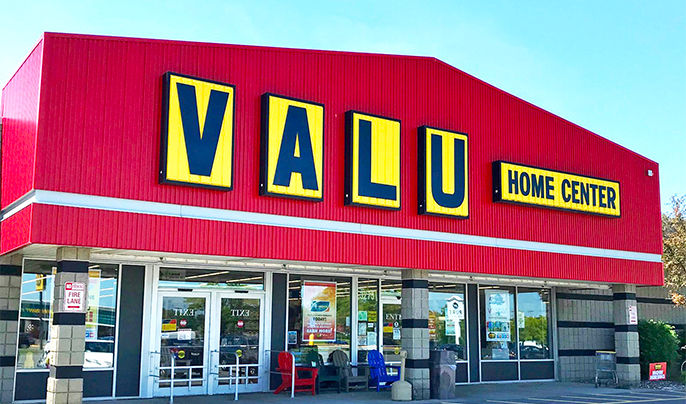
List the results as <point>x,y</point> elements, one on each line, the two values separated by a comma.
<point>266,219</point>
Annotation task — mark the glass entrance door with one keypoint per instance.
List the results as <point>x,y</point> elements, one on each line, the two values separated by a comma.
<point>182,326</point>
<point>237,343</point>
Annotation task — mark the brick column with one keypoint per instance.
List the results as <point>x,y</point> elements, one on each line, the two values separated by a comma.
<point>68,330</point>
<point>10,287</point>
<point>626,335</point>
<point>415,330</point>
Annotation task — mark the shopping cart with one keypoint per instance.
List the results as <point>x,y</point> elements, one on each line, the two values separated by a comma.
<point>605,367</point>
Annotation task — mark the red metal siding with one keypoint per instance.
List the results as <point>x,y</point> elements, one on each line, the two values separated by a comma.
<point>19,113</point>
<point>99,134</point>
<point>90,227</point>
<point>15,231</point>
<point>101,110</point>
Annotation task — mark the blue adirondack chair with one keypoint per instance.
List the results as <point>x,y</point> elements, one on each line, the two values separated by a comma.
<point>378,370</point>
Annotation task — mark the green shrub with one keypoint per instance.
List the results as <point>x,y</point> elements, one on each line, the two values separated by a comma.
<point>658,342</point>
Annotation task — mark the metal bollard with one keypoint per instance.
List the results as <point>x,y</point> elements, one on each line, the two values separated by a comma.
<point>292,375</point>
<point>235,393</point>
<point>171,385</point>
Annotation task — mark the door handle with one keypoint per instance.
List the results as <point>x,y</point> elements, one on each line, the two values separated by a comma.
<point>155,366</point>
<point>214,364</point>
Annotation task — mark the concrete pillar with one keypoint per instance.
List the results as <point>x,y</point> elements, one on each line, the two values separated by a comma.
<point>10,287</point>
<point>415,330</point>
<point>626,335</point>
<point>68,329</point>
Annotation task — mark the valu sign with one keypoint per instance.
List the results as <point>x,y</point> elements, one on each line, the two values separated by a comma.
<point>197,149</point>
<point>197,132</point>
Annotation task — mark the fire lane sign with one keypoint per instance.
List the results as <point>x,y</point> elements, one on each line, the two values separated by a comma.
<point>74,296</point>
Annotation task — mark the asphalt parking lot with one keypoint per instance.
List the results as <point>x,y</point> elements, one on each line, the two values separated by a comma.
<point>628,396</point>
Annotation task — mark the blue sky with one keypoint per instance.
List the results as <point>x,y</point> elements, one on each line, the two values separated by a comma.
<point>617,68</point>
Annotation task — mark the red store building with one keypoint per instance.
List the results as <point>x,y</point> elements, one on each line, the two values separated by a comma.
<point>195,200</point>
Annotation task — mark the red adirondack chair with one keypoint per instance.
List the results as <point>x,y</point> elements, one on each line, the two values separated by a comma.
<point>301,383</point>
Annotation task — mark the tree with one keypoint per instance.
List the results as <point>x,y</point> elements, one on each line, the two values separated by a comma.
<point>658,342</point>
<point>535,329</point>
<point>674,254</point>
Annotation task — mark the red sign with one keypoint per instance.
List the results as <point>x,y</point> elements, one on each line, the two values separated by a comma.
<point>658,371</point>
<point>240,323</point>
<point>74,296</point>
<point>183,322</point>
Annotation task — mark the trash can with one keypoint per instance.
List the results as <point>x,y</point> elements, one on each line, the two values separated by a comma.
<point>442,374</point>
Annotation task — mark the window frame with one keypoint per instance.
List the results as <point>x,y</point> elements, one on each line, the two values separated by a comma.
<point>549,313</point>
<point>466,319</point>
<point>303,277</point>
<point>552,325</point>
<point>112,368</point>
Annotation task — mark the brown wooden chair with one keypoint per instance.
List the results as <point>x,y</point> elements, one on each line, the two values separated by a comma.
<point>348,378</point>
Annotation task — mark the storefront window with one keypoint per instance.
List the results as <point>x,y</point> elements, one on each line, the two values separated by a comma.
<point>498,328</point>
<point>318,315</point>
<point>101,315</point>
<point>533,307</point>
<point>210,278</point>
<point>36,311</point>
<point>391,294</point>
<point>34,314</point>
<point>447,325</point>
<point>367,317</point>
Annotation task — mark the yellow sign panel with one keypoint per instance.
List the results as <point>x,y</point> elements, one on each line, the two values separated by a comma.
<point>168,326</point>
<point>527,185</point>
<point>40,283</point>
<point>372,161</point>
<point>443,179</point>
<point>292,148</point>
<point>197,132</point>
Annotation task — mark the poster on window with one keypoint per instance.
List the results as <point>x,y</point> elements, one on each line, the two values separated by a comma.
<point>319,311</point>
<point>454,312</point>
<point>497,315</point>
<point>92,311</point>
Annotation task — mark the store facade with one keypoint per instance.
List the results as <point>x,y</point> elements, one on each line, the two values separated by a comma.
<point>218,204</point>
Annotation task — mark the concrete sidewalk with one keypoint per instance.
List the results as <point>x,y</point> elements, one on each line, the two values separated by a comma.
<point>475,393</point>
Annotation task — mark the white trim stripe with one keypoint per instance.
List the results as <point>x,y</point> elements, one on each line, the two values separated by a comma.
<point>265,219</point>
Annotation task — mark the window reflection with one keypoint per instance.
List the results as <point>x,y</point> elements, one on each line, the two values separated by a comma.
<point>533,306</point>
<point>208,278</point>
<point>447,325</point>
<point>498,328</point>
<point>391,293</point>
<point>367,317</point>
<point>35,312</point>
<point>100,316</point>
<point>326,319</point>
